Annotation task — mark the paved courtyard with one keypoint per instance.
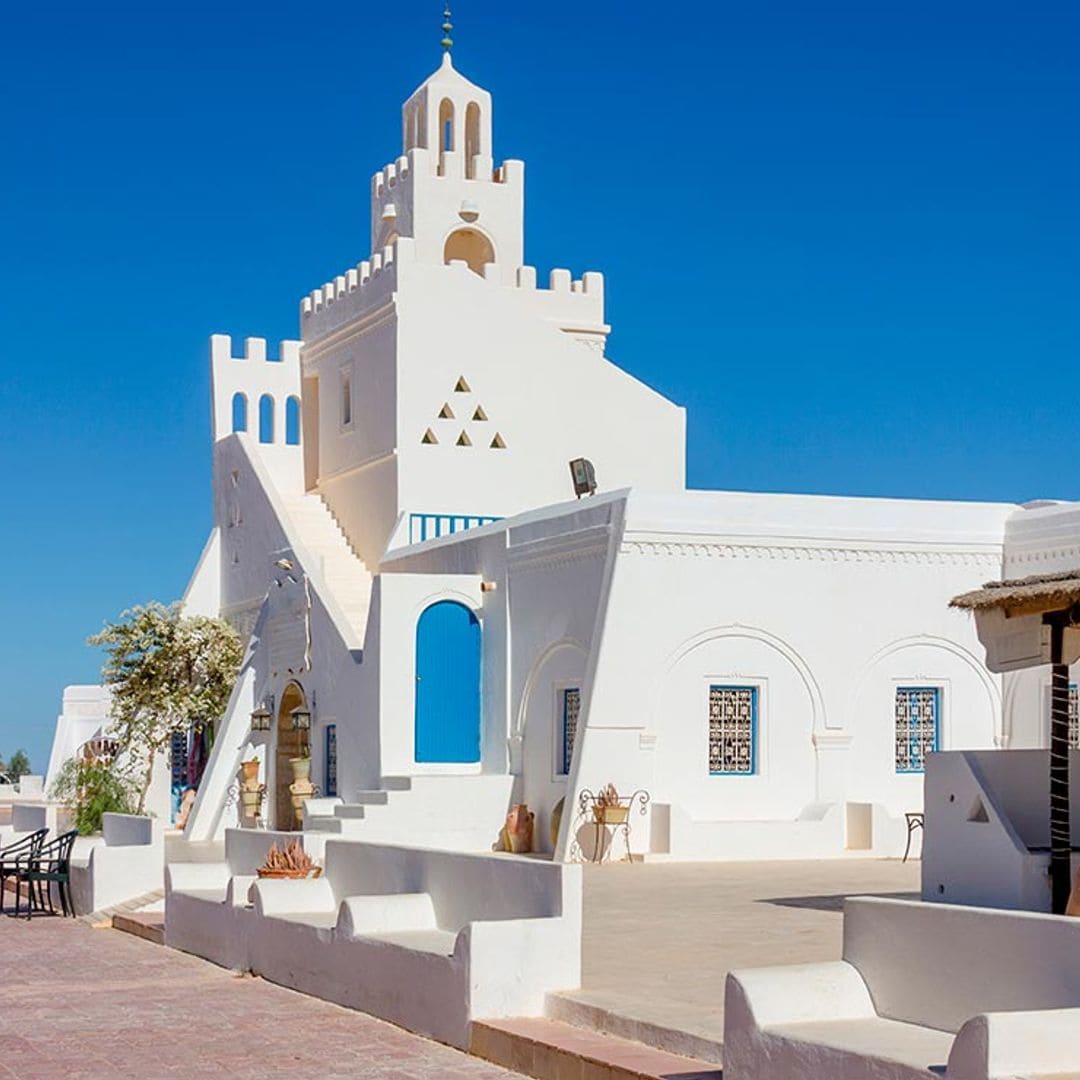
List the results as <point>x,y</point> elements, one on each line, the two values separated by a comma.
<point>80,1003</point>
<point>660,937</point>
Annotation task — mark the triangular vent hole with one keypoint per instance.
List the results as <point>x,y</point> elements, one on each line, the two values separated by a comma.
<point>479,414</point>
<point>978,811</point>
<point>464,440</point>
<point>429,438</point>
<point>462,387</point>
<point>446,413</point>
<point>498,443</point>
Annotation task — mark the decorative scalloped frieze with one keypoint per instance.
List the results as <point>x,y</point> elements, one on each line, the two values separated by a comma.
<point>1043,555</point>
<point>804,553</point>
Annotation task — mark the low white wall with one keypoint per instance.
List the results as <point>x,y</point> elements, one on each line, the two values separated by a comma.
<point>29,817</point>
<point>985,811</point>
<point>31,787</point>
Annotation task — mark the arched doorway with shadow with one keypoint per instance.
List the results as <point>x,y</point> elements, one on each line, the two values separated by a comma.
<point>290,744</point>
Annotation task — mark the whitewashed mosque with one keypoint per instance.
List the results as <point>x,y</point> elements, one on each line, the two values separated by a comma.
<point>397,537</point>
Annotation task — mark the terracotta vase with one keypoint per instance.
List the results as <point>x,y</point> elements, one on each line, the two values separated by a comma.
<point>519,829</point>
<point>301,788</point>
<point>251,801</point>
<point>249,770</point>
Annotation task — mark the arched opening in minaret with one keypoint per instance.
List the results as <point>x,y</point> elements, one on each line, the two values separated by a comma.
<point>472,246</point>
<point>472,139</point>
<point>446,125</point>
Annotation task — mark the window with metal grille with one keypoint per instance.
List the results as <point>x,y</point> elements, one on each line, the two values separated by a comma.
<point>331,759</point>
<point>733,730</point>
<point>918,726</point>
<point>569,707</point>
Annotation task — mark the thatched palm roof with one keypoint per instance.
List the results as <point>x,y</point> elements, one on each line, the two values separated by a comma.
<point>1029,595</point>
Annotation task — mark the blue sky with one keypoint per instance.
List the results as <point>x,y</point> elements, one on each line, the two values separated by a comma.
<point>844,235</point>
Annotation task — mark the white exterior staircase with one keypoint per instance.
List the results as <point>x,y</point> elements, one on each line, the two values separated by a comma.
<point>343,572</point>
<point>462,813</point>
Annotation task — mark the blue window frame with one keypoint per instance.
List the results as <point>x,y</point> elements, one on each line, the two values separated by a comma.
<point>430,526</point>
<point>733,722</point>
<point>569,708</point>
<point>918,726</point>
<point>330,771</point>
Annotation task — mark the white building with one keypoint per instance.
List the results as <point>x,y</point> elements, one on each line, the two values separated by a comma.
<point>392,534</point>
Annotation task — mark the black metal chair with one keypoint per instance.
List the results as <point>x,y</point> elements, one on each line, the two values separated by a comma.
<point>28,846</point>
<point>51,866</point>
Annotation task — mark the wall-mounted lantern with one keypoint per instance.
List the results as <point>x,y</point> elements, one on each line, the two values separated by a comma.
<point>262,716</point>
<point>301,718</point>
<point>584,476</point>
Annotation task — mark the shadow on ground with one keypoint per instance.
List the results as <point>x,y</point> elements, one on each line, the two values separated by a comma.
<point>829,903</point>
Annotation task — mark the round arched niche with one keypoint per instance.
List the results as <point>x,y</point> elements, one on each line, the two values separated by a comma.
<point>782,783</point>
<point>560,667</point>
<point>969,715</point>
<point>470,245</point>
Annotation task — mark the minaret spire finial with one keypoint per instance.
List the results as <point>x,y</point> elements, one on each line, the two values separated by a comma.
<point>448,28</point>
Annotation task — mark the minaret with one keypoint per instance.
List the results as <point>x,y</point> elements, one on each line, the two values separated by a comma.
<point>444,192</point>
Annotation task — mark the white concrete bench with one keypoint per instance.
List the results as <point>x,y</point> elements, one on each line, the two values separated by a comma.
<point>923,990</point>
<point>125,862</point>
<point>429,940</point>
<point>208,907</point>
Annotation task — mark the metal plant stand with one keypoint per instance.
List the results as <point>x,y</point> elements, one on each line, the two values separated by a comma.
<point>618,817</point>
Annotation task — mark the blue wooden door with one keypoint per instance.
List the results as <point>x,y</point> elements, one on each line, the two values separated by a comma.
<point>448,685</point>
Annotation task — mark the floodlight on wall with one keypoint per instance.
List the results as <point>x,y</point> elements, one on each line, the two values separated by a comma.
<point>262,715</point>
<point>584,476</point>
<point>301,718</point>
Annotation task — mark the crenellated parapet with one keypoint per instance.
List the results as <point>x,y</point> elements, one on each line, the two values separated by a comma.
<point>574,305</point>
<point>254,392</point>
<point>362,288</point>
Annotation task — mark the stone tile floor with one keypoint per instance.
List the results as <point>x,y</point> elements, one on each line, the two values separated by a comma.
<point>78,1003</point>
<point>660,938</point>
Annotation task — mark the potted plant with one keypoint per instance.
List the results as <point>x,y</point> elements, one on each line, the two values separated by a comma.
<point>293,862</point>
<point>608,808</point>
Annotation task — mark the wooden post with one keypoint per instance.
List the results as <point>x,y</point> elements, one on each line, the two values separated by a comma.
<point>1060,830</point>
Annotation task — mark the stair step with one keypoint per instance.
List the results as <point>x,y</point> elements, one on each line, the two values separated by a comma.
<point>322,823</point>
<point>348,810</point>
<point>395,783</point>
<point>548,1050</point>
<point>150,926</point>
<point>371,798</point>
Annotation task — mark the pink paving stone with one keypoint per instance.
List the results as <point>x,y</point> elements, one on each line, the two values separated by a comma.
<point>86,1004</point>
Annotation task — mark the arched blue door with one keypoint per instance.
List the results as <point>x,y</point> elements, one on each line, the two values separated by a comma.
<point>448,684</point>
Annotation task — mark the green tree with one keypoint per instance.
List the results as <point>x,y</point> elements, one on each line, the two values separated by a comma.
<point>167,671</point>
<point>18,766</point>
<point>91,789</point>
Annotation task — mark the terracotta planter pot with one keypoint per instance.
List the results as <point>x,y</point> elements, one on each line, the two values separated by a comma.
<point>610,815</point>
<point>291,875</point>
<point>249,770</point>
<point>301,768</point>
